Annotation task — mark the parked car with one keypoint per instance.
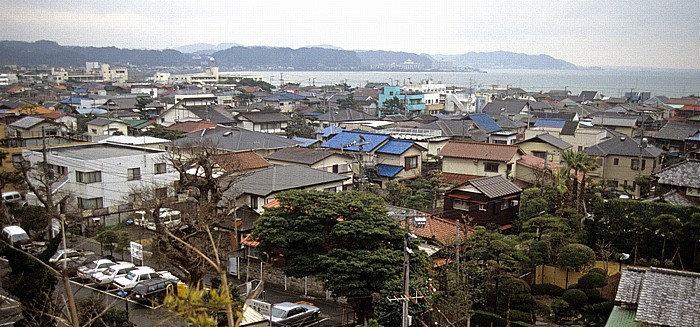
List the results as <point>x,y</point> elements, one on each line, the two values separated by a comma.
<point>13,198</point>
<point>16,237</point>
<point>293,314</point>
<point>169,217</point>
<point>107,276</point>
<point>72,257</point>
<point>141,274</point>
<point>95,266</point>
<point>152,291</point>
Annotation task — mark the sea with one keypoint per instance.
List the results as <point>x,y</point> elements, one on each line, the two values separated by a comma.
<point>613,82</point>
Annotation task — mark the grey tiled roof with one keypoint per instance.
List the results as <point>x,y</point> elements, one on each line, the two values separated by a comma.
<point>569,128</point>
<point>451,127</point>
<point>280,178</point>
<point>344,115</point>
<point>264,117</point>
<point>102,122</point>
<point>669,298</point>
<point>615,121</point>
<point>237,140</point>
<point>622,146</point>
<point>213,113</point>
<point>550,139</point>
<point>494,186</point>
<point>27,122</point>
<point>677,131</point>
<point>300,155</point>
<point>630,286</point>
<point>685,174</point>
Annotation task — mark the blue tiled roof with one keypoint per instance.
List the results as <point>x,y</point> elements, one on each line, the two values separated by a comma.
<point>388,170</point>
<point>71,100</point>
<point>305,143</point>
<point>345,138</point>
<point>550,122</point>
<point>485,122</point>
<point>330,130</point>
<point>395,147</point>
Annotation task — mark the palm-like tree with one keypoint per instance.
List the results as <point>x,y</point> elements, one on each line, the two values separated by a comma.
<point>578,162</point>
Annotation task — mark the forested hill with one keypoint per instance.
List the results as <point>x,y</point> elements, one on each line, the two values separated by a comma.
<point>239,57</point>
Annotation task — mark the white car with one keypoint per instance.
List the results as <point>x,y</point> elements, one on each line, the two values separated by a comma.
<point>141,274</point>
<point>72,257</point>
<point>107,276</point>
<point>168,217</point>
<point>92,267</point>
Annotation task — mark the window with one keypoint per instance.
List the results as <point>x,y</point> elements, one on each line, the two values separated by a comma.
<point>253,202</point>
<point>134,197</point>
<point>161,192</point>
<point>88,177</point>
<point>504,205</point>
<point>94,203</point>
<point>616,161</point>
<point>460,205</point>
<point>133,174</point>
<point>330,189</point>
<point>491,167</point>
<point>58,170</point>
<point>540,154</point>
<point>635,164</point>
<point>411,163</point>
<point>644,164</point>
<point>159,168</point>
<point>482,207</point>
<point>335,169</point>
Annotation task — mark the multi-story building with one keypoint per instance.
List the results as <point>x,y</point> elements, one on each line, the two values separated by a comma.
<point>107,175</point>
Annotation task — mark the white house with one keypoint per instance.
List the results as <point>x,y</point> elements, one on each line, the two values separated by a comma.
<point>107,175</point>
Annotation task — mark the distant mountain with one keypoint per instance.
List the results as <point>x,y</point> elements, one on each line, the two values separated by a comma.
<point>231,55</point>
<point>505,59</point>
<point>284,58</point>
<point>205,48</point>
<point>324,46</point>
<point>52,54</point>
<point>375,58</point>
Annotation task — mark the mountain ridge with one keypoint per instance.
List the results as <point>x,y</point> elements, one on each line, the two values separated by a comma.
<point>325,57</point>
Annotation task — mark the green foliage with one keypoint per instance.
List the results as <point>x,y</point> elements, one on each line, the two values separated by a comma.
<point>348,103</point>
<point>576,257</point>
<point>160,132</point>
<point>592,280</point>
<point>108,237</point>
<point>345,238</point>
<point>517,315</point>
<point>32,283</point>
<point>600,271</point>
<point>371,323</point>
<point>547,289</point>
<point>89,308</point>
<point>31,218</point>
<point>252,82</point>
<point>593,295</point>
<point>560,309</point>
<point>484,318</point>
<point>596,314</point>
<point>202,307</point>
<point>575,298</point>
<point>393,106</point>
<point>298,126</point>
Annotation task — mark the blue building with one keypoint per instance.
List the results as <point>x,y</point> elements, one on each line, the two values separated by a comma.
<point>413,102</point>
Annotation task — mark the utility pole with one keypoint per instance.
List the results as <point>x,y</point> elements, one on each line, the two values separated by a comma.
<point>406,269</point>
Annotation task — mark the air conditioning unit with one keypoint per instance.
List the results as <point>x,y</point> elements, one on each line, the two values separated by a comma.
<point>514,203</point>
<point>419,222</point>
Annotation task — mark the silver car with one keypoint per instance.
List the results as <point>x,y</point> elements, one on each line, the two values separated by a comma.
<point>294,314</point>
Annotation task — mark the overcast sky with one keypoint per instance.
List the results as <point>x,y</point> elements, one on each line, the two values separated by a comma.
<point>647,33</point>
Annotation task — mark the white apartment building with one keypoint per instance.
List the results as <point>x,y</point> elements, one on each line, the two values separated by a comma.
<point>106,175</point>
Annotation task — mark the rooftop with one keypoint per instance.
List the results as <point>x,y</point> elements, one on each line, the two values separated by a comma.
<point>480,151</point>
<point>279,178</point>
<point>99,151</point>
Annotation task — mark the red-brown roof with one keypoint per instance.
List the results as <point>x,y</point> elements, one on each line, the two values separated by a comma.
<point>242,161</point>
<point>458,178</point>
<point>190,126</point>
<point>272,204</point>
<point>536,162</point>
<point>683,101</point>
<point>480,151</point>
<point>441,230</point>
<point>689,107</point>
<point>53,115</point>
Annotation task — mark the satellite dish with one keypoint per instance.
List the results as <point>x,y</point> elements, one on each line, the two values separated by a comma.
<point>624,256</point>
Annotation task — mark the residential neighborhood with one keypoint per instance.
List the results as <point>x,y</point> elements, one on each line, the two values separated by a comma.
<point>407,200</point>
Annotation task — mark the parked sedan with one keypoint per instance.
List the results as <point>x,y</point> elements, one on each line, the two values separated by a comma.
<point>72,258</point>
<point>95,266</point>
<point>294,314</point>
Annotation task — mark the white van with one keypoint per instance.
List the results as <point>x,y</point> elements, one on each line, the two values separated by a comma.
<point>16,236</point>
<point>169,217</point>
<point>13,198</point>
